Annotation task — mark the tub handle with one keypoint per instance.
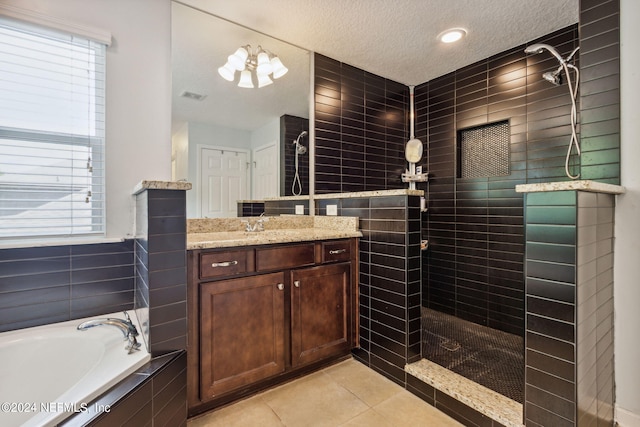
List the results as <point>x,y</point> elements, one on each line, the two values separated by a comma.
<point>224,264</point>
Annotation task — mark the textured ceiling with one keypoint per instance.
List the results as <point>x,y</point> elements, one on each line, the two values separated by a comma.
<point>396,39</point>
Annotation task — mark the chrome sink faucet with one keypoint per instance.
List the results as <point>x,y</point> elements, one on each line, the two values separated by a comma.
<point>258,226</point>
<point>126,326</point>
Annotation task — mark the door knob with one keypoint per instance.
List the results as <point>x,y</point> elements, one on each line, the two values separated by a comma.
<point>281,286</point>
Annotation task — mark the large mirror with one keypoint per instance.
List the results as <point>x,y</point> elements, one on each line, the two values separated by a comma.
<point>234,143</point>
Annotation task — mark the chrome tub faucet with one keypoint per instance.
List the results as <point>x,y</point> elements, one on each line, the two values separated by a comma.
<point>126,326</point>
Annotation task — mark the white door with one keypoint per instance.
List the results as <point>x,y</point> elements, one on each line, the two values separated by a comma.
<point>265,171</point>
<point>223,178</point>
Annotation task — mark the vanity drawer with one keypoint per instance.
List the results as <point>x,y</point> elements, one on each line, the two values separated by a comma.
<point>336,250</point>
<point>226,263</point>
<point>283,257</point>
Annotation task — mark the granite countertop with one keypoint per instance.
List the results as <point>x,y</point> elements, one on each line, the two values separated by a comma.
<point>580,185</point>
<point>161,185</point>
<point>229,232</point>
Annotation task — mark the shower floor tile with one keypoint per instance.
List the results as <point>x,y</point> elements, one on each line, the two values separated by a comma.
<point>492,358</point>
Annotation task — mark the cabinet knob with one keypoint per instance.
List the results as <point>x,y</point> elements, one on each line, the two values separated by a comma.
<point>281,286</point>
<point>296,283</point>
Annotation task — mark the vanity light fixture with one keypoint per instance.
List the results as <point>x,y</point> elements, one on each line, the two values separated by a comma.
<point>452,35</point>
<point>261,62</point>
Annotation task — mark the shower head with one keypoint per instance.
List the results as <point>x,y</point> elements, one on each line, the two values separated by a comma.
<point>540,47</point>
<point>300,149</point>
<point>303,133</point>
<point>553,77</point>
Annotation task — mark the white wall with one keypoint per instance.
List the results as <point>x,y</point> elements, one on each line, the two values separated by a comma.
<point>627,231</point>
<point>138,110</point>
<point>180,153</point>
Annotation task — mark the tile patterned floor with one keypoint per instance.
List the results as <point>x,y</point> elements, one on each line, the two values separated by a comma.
<point>492,358</point>
<point>345,394</point>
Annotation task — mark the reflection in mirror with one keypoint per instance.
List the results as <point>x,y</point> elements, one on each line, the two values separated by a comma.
<point>234,143</point>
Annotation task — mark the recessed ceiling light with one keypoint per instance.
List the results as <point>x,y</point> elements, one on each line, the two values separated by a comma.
<point>452,35</point>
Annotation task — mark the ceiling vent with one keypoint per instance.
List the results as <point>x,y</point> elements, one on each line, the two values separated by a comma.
<point>193,95</point>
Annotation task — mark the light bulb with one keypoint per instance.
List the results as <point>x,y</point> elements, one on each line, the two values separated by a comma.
<point>279,69</point>
<point>227,72</point>
<point>245,80</point>
<point>239,58</point>
<point>264,80</point>
<point>264,65</point>
<point>452,35</point>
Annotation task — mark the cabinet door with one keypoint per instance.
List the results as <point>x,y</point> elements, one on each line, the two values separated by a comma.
<point>320,307</point>
<point>241,332</point>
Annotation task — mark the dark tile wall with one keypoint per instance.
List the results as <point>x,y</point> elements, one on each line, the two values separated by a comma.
<point>360,129</point>
<point>250,209</point>
<point>569,292</point>
<point>41,285</point>
<point>153,396</point>
<point>161,272</point>
<point>474,267</point>
<point>600,90</point>
<point>389,279</point>
<point>290,128</point>
<point>279,207</point>
<point>550,357</point>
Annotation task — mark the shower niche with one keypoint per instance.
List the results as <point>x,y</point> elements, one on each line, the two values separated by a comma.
<point>484,151</point>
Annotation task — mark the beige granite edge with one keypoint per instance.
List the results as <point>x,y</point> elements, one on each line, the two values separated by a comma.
<point>235,239</point>
<point>580,185</point>
<point>281,222</point>
<point>336,222</point>
<point>484,400</point>
<point>161,185</point>
<point>376,193</point>
<point>205,233</point>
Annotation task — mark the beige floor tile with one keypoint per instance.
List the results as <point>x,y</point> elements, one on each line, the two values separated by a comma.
<point>345,394</point>
<point>405,409</point>
<point>369,418</point>
<point>247,413</point>
<point>314,400</point>
<point>371,387</point>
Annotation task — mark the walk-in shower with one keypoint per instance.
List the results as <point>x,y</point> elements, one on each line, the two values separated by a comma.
<point>555,78</point>
<point>296,186</point>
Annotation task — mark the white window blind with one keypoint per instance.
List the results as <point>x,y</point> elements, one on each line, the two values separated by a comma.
<point>52,88</point>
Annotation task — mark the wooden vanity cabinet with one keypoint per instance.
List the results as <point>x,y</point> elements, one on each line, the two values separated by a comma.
<point>320,312</point>
<point>241,332</point>
<point>261,315</point>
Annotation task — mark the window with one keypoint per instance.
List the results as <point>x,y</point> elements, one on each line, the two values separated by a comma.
<point>52,140</point>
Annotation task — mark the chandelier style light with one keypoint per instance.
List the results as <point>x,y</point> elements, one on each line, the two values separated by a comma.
<point>247,61</point>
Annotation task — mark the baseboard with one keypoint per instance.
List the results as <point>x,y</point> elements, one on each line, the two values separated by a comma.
<point>626,418</point>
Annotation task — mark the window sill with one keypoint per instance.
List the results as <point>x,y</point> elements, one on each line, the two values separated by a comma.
<point>61,241</point>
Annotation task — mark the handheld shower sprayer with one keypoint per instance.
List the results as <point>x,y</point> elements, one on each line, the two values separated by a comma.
<point>540,47</point>
<point>554,77</point>
<point>296,186</point>
<point>300,149</point>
